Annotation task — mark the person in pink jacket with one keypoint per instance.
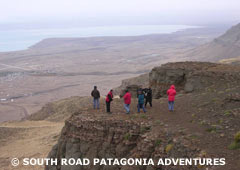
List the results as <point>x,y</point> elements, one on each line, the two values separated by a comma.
<point>171,97</point>
<point>127,101</point>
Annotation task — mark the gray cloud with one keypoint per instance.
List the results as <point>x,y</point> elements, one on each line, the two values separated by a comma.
<point>37,10</point>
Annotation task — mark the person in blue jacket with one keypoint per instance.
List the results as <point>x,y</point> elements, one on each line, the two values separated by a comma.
<point>141,101</point>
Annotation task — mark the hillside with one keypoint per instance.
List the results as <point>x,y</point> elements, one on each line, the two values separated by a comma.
<point>27,139</point>
<point>203,124</point>
<point>224,47</point>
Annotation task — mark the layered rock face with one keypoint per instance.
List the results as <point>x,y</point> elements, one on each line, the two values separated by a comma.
<point>104,136</point>
<point>189,76</point>
<point>92,137</point>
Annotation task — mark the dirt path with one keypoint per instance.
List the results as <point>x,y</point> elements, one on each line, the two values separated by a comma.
<point>17,67</point>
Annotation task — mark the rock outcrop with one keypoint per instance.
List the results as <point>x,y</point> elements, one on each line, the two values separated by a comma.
<point>133,84</point>
<point>190,76</point>
<point>103,136</point>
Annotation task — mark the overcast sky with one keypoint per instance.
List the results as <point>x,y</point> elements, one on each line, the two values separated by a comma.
<point>167,11</point>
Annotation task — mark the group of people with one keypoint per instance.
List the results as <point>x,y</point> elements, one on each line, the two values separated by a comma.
<point>109,98</point>
<point>142,95</point>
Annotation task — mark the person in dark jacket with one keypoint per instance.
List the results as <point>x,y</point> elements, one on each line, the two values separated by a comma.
<point>148,96</point>
<point>109,99</point>
<point>171,97</point>
<point>96,96</point>
<point>140,101</point>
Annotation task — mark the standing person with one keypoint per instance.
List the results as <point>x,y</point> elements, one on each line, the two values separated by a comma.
<point>127,101</point>
<point>96,95</point>
<point>109,99</point>
<point>171,97</point>
<point>148,97</point>
<point>140,101</point>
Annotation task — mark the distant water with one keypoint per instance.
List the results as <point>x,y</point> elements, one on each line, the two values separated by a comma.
<point>13,40</point>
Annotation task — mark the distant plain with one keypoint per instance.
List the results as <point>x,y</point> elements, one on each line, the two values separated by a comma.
<point>58,68</point>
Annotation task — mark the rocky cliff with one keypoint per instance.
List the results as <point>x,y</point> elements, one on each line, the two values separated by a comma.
<point>103,136</point>
<point>190,76</point>
<point>186,76</point>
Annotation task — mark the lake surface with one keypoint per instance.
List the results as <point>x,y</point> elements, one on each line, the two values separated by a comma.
<point>13,40</point>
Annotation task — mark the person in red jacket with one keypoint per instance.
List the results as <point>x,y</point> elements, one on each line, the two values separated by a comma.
<point>171,97</point>
<point>109,99</point>
<point>127,101</point>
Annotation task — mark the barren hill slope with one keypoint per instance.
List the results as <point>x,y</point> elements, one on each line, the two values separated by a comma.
<point>26,139</point>
<point>224,47</point>
<point>203,125</point>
